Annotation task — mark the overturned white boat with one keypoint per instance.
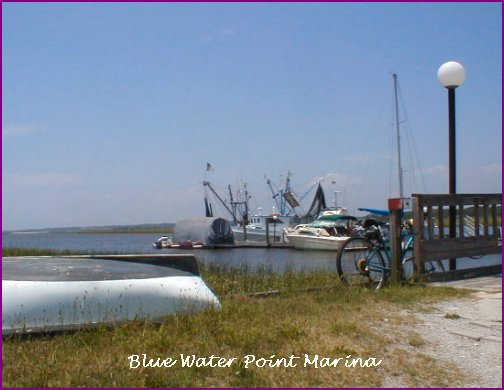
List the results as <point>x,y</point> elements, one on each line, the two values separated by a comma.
<point>42,294</point>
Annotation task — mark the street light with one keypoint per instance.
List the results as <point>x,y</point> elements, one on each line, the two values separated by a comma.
<point>451,75</point>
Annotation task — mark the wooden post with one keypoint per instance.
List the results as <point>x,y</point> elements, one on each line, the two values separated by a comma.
<point>418,231</point>
<point>452,234</point>
<point>395,208</point>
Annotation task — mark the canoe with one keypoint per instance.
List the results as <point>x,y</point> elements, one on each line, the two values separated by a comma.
<point>44,294</point>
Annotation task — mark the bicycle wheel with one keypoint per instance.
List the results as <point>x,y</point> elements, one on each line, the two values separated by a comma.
<point>359,263</point>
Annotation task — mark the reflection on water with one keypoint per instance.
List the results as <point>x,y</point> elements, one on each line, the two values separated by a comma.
<point>275,259</point>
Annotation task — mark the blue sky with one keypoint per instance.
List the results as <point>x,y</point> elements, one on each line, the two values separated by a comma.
<point>111,111</point>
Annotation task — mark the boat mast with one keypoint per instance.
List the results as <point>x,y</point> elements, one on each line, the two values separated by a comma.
<point>283,210</point>
<point>240,206</point>
<point>280,195</point>
<point>207,183</point>
<point>231,201</point>
<point>273,193</point>
<point>401,193</point>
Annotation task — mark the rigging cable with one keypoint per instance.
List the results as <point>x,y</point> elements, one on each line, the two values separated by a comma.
<point>413,151</point>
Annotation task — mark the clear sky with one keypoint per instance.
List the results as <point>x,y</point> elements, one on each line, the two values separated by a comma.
<point>110,112</point>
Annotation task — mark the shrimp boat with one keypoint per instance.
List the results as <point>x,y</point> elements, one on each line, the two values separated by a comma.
<point>263,228</point>
<point>44,294</point>
<point>247,226</point>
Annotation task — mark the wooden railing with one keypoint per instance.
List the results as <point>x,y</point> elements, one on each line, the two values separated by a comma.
<point>443,232</point>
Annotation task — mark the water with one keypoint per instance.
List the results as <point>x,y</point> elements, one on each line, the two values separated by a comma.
<point>275,259</point>
<point>140,243</point>
<point>85,243</point>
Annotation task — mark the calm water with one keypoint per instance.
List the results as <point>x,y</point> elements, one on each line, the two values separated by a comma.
<point>274,259</point>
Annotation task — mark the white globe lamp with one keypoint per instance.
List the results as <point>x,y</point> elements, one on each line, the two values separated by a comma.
<point>451,74</point>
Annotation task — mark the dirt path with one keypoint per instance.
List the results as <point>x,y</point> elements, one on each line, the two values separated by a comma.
<point>466,332</point>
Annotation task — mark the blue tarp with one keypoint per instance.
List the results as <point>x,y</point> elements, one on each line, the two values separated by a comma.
<point>336,217</point>
<point>375,211</point>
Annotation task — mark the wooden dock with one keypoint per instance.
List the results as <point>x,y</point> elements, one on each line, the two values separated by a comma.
<point>254,244</point>
<point>449,212</point>
<point>237,245</point>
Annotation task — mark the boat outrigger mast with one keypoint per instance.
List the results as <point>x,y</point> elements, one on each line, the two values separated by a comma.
<point>233,215</point>
<point>239,208</point>
<point>284,198</point>
<point>237,204</point>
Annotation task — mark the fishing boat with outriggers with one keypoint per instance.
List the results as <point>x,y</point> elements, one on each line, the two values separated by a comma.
<point>265,227</point>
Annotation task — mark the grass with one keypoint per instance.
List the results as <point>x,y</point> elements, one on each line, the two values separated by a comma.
<point>16,252</point>
<point>163,231</point>
<point>334,322</point>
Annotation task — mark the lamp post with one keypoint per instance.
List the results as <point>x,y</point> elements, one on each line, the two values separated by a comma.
<point>451,75</point>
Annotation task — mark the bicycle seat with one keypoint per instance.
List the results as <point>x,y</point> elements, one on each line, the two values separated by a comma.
<point>369,222</point>
<point>373,233</point>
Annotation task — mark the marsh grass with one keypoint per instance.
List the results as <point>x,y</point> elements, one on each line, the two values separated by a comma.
<point>159,230</point>
<point>16,252</point>
<point>336,322</point>
<point>19,252</point>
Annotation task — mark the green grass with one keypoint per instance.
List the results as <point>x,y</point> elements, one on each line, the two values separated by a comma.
<point>129,231</point>
<point>16,252</point>
<point>334,322</point>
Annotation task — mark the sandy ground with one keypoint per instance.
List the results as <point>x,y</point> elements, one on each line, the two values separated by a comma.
<point>465,332</point>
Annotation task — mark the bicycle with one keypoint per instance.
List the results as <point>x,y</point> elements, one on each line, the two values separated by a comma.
<point>365,260</point>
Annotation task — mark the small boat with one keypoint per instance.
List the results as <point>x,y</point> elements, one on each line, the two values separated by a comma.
<point>163,242</point>
<point>198,232</point>
<point>44,294</point>
<point>327,233</point>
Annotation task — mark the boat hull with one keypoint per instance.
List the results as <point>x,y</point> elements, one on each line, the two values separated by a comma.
<point>258,235</point>
<point>302,242</point>
<point>94,295</point>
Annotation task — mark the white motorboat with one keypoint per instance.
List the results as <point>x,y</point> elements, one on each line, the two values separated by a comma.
<point>43,294</point>
<point>327,233</point>
<point>163,242</point>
